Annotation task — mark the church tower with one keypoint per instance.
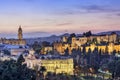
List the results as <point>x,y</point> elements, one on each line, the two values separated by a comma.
<point>20,35</point>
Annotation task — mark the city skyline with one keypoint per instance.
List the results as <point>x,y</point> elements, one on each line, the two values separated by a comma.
<point>59,16</point>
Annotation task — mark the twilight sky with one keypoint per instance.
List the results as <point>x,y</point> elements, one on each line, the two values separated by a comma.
<point>59,16</point>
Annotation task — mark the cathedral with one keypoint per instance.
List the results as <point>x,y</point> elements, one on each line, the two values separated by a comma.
<point>19,41</point>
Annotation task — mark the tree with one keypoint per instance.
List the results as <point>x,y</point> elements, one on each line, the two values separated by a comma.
<point>111,66</point>
<point>20,59</point>
<point>95,41</point>
<point>114,68</point>
<point>42,69</point>
<point>106,50</point>
<point>79,51</point>
<point>45,43</point>
<point>117,69</point>
<point>6,52</point>
<point>51,52</point>
<point>89,56</point>
<point>114,52</point>
<point>40,72</point>
<point>74,53</point>
<point>84,50</point>
<point>87,34</point>
<point>36,47</point>
<point>10,70</point>
<point>95,51</point>
<point>73,35</point>
<point>66,52</point>
<point>100,52</point>
<point>96,56</point>
<point>70,38</point>
<point>100,55</point>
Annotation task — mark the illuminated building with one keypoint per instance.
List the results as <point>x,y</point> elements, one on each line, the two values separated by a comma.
<point>52,64</point>
<point>93,41</point>
<point>46,49</point>
<point>19,41</point>
<point>58,65</point>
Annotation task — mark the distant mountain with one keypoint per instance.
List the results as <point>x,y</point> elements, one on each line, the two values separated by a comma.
<point>66,34</point>
<point>53,38</point>
<point>8,35</point>
<point>26,35</point>
<point>108,32</point>
<point>36,34</point>
<point>50,39</point>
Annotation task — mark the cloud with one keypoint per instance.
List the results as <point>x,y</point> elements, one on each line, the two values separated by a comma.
<point>70,11</point>
<point>97,8</point>
<point>64,24</point>
<point>118,14</point>
<point>77,9</point>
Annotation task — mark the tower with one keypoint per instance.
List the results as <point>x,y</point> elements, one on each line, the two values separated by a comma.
<point>20,35</point>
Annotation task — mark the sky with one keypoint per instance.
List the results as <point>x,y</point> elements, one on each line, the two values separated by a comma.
<point>46,17</point>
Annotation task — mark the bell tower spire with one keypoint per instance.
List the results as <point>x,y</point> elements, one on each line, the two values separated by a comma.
<point>20,35</point>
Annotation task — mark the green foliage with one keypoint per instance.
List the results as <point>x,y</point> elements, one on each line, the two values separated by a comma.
<point>62,76</point>
<point>95,41</point>
<point>45,43</point>
<point>51,52</point>
<point>114,52</point>
<point>10,70</point>
<point>114,67</point>
<point>6,52</point>
<point>89,78</point>
<point>42,69</point>
<point>72,35</point>
<point>87,34</point>
<point>36,47</point>
<point>20,59</point>
<point>84,50</point>
<point>70,38</point>
<point>66,52</point>
<point>117,69</point>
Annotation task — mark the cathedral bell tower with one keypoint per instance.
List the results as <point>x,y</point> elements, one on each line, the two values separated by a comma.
<point>20,35</point>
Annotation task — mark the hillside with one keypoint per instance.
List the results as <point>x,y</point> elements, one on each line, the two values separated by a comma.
<point>58,38</point>
<point>109,32</point>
